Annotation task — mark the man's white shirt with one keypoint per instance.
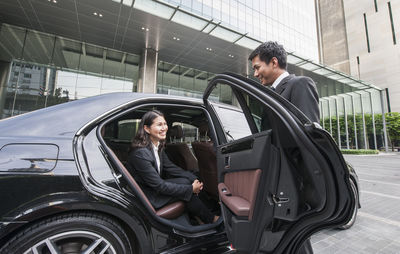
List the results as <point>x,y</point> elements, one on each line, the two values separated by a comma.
<point>279,79</point>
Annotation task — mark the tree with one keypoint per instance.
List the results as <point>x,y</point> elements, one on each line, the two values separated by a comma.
<point>393,128</point>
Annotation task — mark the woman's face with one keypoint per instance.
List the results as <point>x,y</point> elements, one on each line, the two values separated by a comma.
<point>157,130</point>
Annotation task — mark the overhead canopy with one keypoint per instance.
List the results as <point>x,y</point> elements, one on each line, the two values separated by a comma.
<point>181,37</point>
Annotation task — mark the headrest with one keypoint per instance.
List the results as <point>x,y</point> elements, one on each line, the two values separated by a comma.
<point>203,132</point>
<point>176,132</point>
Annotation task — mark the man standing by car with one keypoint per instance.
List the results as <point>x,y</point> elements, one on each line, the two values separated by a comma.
<point>269,61</point>
<point>269,65</point>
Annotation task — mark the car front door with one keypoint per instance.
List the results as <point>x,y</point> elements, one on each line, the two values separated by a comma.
<point>281,178</point>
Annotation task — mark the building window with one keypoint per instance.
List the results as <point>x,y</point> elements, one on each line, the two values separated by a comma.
<point>391,23</point>
<point>27,75</point>
<point>376,6</point>
<point>366,32</point>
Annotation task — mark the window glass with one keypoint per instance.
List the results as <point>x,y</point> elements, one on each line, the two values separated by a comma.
<point>233,121</point>
<point>97,164</point>
<point>229,112</point>
<point>190,132</point>
<point>127,129</point>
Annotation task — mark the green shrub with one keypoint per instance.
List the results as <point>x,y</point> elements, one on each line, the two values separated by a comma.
<point>360,151</point>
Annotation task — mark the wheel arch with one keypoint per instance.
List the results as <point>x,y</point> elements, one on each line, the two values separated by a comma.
<point>137,230</point>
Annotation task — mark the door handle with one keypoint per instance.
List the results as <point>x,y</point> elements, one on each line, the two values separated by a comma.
<point>227,162</point>
<point>279,200</point>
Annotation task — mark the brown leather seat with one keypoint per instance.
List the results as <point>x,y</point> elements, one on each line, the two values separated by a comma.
<point>169,211</point>
<point>207,160</point>
<point>178,152</point>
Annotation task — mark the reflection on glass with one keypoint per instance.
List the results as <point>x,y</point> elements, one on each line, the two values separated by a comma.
<point>224,34</point>
<point>11,39</point>
<point>49,70</point>
<point>291,24</point>
<point>154,8</point>
<point>247,43</point>
<point>179,80</point>
<point>189,20</point>
<point>32,87</point>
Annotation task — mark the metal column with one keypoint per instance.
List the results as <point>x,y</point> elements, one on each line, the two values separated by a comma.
<point>355,121</point>
<point>338,124</point>
<point>373,119</point>
<point>322,115</point>
<point>345,123</point>
<point>384,123</point>
<point>363,119</point>
<point>330,116</point>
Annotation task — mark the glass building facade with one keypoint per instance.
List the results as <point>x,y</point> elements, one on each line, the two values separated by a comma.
<point>292,23</point>
<point>47,69</point>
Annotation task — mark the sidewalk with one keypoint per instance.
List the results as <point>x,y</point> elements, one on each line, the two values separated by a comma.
<point>377,229</point>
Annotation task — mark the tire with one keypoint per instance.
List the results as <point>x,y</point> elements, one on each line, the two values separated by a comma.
<point>71,233</point>
<point>351,222</point>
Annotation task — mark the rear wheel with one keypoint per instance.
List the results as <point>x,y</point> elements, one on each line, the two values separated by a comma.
<point>351,222</point>
<point>71,233</point>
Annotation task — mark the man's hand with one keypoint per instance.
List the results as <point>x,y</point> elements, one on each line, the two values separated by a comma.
<point>197,186</point>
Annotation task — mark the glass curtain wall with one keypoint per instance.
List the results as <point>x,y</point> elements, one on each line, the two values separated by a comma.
<point>354,119</point>
<point>175,79</point>
<point>292,23</point>
<point>48,70</point>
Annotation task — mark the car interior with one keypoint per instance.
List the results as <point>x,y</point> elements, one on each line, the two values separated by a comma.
<point>188,145</point>
<point>258,166</point>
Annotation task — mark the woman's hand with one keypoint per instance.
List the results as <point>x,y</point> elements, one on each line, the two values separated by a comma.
<point>197,186</point>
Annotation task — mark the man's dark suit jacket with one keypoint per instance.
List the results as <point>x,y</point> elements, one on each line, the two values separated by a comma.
<point>302,92</point>
<point>142,166</point>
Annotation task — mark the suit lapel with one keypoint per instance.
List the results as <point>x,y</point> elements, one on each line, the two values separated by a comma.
<point>283,84</point>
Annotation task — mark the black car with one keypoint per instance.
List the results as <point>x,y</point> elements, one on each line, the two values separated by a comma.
<point>65,187</point>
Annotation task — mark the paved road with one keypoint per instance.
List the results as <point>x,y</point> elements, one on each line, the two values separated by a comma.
<point>377,229</point>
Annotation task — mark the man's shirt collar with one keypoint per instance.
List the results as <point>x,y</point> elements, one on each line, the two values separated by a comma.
<point>279,79</point>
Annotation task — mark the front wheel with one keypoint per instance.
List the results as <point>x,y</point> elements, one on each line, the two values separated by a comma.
<point>71,233</point>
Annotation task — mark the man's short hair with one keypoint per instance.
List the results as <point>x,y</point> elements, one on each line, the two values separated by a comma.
<point>268,50</point>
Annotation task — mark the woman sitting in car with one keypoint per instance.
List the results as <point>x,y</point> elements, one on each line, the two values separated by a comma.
<point>162,181</point>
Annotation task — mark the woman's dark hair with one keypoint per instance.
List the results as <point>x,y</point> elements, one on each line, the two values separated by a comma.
<point>142,138</point>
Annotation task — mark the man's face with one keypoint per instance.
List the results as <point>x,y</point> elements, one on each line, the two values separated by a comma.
<point>263,71</point>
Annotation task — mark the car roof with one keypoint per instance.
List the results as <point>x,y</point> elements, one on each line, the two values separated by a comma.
<point>64,120</point>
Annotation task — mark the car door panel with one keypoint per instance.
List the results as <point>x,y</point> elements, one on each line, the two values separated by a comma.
<point>239,186</point>
<point>238,191</point>
<point>302,183</point>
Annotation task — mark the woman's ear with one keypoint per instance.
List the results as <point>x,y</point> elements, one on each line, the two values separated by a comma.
<point>146,129</point>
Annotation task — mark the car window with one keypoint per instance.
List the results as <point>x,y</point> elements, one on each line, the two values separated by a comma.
<point>190,132</point>
<point>233,121</point>
<point>229,112</point>
<point>258,111</point>
<point>122,130</point>
<point>127,129</point>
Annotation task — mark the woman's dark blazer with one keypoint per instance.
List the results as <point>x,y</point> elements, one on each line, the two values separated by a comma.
<point>142,165</point>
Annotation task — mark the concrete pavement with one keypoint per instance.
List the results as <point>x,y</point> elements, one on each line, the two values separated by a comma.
<point>377,229</point>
